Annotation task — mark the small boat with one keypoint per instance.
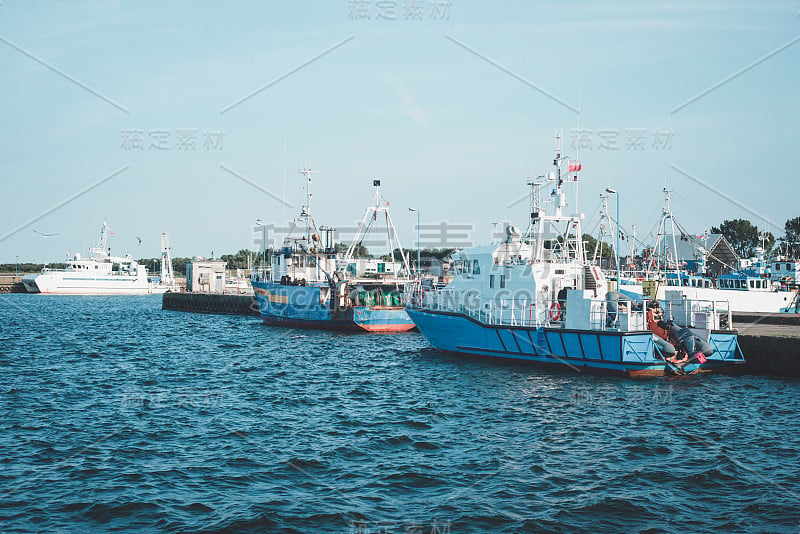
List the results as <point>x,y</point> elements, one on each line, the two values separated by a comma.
<point>537,298</point>
<point>99,274</point>
<point>310,284</point>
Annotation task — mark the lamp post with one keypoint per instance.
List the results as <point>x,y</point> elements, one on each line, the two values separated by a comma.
<point>418,264</point>
<point>616,248</point>
<point>16,268</point>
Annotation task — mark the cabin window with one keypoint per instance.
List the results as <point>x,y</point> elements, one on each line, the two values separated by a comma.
<point>736,284</point>
<point>752,284</point>
<point>707,283</point>
<point>502,281</point>
<point>685,282</point>
<point>788,267</point>
<point>491,281</point>
<point>476,267</point>
<point>381,267</point>
<point>777,266</point>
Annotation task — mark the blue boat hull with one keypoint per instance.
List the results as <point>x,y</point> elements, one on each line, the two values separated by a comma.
<point>299,306</point>
<point>628,353</point>
<point>382,319</point>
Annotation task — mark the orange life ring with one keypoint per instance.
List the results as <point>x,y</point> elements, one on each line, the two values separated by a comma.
<point>555,312</point>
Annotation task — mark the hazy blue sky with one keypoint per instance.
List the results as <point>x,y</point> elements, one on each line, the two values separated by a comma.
<point>405,98</point>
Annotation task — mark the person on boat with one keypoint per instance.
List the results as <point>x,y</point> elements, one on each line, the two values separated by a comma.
<point>663,329</point>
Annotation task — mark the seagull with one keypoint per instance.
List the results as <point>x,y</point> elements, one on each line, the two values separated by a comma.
<point>140,240</point>
<point>44,235</point>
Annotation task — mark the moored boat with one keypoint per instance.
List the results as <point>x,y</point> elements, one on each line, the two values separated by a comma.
<point>310,284</point>
<point>98,274</point>
<point>537,298</point>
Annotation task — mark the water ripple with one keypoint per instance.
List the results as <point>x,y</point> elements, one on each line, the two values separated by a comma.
<point>120,416</point>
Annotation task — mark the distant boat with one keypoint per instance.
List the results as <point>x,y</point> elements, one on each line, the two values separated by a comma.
<point>98,274</point>
<point>761,286</point>
<point>310,284</point>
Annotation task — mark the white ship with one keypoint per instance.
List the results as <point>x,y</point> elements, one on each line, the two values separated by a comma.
<point>99,274</point>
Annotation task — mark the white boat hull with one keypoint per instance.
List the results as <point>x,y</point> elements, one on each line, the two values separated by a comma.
<point>739,300</point>
<point>65,283</point>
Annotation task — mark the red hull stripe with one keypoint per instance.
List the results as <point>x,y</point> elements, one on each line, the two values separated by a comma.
<point>387,328</point>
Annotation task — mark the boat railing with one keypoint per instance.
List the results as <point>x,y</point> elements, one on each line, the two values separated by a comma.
<point>698,313</point>
<point>553,313</point>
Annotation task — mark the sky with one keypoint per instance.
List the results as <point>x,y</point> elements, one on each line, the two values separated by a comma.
<point>194,117</point>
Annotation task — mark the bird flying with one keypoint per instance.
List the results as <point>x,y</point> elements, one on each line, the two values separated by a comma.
<point>44,235</point>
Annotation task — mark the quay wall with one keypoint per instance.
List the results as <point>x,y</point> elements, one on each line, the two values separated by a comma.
<point>11,284</point>
<point>210,303</point>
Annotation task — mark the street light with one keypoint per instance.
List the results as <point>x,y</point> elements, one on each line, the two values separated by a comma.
<point>616,249</point>
<point>16,268</point>
<point>418,264</point>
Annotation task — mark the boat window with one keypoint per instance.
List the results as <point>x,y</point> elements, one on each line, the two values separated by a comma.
<point>752,284</point>
<point>777,266</point>
<point>502,280</point>
<point>708,284</point>
<point>381,267</point>
<point>736,284</point>
<point>788,267</point>
<point>685,282</point>
<point>491,281</point>
<point>476,267</point>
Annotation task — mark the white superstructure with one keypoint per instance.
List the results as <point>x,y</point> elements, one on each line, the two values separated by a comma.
<point>99,274</point>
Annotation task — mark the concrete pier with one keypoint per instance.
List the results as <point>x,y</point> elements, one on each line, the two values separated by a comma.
<point>770,343</point>
<point>210,303</point>
<point>11,284</point>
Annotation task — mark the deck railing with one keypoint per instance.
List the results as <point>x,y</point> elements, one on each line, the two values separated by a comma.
<point>553,313</point>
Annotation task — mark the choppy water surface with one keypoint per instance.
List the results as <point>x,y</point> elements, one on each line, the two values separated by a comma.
<point>117,415</point>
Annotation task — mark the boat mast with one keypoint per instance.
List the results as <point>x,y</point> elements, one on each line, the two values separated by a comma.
<point>306,210</point>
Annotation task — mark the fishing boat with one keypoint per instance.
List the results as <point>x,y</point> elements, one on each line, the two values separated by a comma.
<point>98,274</point>
<point>679,264</point>
<point>536,297</point>
<point>310,284</point>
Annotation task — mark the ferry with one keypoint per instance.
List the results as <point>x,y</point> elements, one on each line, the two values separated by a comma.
<point>101,274</point>
<point>536,297</point>
<point>309,284</point>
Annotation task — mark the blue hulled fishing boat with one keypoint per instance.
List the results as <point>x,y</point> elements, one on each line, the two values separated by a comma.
<point>535,297</point>
<point>310,284</point>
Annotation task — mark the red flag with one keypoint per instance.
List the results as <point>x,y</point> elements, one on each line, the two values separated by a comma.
<point>574,166</point>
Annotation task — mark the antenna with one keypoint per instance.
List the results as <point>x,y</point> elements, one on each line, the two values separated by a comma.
<point>306,210</point>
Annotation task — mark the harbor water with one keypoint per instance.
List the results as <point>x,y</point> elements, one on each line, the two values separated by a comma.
<point>118,415</point>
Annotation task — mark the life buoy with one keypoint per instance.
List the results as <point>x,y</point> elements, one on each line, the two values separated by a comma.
<point>555,312</point>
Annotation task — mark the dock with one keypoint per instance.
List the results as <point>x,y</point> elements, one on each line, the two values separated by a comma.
<point>11,284</point>
<point>235,304</point>
<point>770,343</point>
